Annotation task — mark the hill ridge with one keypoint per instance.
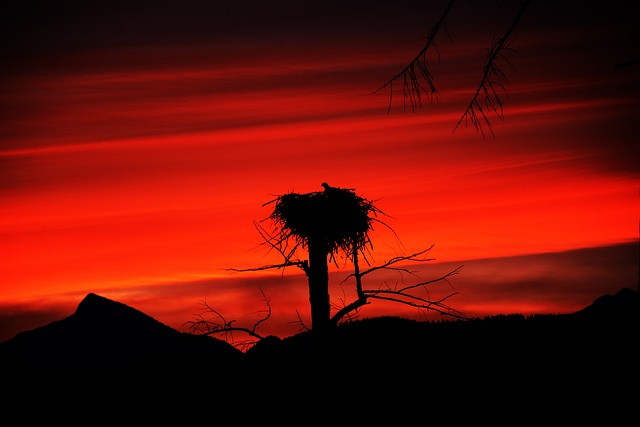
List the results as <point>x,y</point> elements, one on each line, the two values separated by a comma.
<point>106,331</point>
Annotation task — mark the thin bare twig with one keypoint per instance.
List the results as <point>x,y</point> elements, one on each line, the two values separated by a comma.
<point>219,326</point>
<point>487,97</point>
<point>416,69</point>
<point>418,80</point>
<point>405,295</point>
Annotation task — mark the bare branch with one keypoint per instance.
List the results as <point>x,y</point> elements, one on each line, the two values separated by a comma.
<point>418,302</point>
<point>279,244</point>
<point>221,327</point>
<point>428,282</point>
<point>487,99</point>
<point>415,257</point>
<point>416,69</point>
<point>405,295</point>
<point>300,264</point>
<point>303,327</point>
<point>278,241</point>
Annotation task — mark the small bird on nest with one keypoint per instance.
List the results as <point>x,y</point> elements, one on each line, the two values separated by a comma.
<point>327,187</point>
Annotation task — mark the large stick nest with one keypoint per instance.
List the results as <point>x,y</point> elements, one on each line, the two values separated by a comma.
<point>336,216</point>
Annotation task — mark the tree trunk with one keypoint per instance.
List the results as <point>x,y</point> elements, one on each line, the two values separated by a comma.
<point>318,275</point>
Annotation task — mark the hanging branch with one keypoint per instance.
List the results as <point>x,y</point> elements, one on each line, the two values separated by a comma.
<point>492,86</point>
<point>419,67</point>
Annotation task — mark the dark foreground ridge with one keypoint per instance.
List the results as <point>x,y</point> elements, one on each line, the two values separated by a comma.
<point>107,335</point>
<point>108,345</point>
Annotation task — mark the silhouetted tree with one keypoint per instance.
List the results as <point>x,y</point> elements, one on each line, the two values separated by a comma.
<point>327,223</point>
<point>324,222</point>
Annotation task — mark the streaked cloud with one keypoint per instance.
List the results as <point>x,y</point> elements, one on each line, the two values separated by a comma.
<point>145,158</point>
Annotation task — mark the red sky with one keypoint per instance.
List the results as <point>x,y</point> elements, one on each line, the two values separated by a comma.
<point>139,144</point>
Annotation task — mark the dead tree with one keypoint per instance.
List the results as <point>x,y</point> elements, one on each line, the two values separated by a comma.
<point>325,224</point>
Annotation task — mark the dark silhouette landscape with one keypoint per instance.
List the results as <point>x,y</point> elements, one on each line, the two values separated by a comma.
<point>107,342</point>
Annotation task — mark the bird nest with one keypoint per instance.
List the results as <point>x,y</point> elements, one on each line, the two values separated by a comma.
<point>336,216</point>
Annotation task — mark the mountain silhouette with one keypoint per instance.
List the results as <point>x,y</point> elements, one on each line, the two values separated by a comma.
<point>112,335</point>
<point>103,329</point>
<point>107,345</point>
<point>623,305</point>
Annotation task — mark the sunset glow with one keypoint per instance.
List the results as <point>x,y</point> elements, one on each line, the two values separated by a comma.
<point>136,169</point>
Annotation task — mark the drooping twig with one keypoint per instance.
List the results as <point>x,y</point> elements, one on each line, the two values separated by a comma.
<point>416,69</point>
<point>487,97</point>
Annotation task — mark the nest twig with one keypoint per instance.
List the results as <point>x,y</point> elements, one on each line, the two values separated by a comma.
<point>337,216</point>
